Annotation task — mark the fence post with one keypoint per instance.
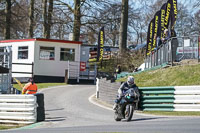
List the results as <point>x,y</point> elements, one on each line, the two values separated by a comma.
<point>97,88</point>
<point>171,52</point>
<point>198,46</point>
<point>32,69</point>
<point>95,72</point>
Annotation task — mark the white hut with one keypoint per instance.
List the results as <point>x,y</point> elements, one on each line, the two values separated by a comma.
<point>46,60</point>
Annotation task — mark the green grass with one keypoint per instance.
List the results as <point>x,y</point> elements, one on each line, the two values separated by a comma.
<point>172,76</point>
<point>172,113</point>
<point>4,127</point>
<point>41,85</point>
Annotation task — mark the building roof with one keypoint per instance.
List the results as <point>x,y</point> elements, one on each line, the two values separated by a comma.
<point>41,39</point>
<point>95,46</point>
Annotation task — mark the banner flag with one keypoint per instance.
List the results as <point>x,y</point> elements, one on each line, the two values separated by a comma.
<point>101,39</point>
<point>156,29</point>
<point>150,37</point>
<point>162,19</point>
<point>168,14</point>
<point>173,13</point>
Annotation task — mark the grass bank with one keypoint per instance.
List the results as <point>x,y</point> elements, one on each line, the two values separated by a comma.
<point>3,127</point>
<point>171,76</point>
<point>41,85</point>
<point>172,113</point>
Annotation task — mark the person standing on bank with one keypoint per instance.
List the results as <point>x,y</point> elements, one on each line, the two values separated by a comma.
<point>166,36</point>
<point>30,87</point>
<point>118,69</point>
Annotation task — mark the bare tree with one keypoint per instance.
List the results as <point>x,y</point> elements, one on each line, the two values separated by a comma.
<point>7,19</point>
<point>31,19</point>
<point>123,26</point>
<point>45,18</point>
<point>49,19</point>
<point>77,20</point>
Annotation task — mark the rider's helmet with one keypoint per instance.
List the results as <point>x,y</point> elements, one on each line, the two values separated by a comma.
<point>130,80</point>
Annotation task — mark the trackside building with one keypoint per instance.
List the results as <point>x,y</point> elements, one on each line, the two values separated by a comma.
<point>46,60</point>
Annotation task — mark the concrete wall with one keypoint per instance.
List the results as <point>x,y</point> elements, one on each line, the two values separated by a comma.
<point>108,91</point>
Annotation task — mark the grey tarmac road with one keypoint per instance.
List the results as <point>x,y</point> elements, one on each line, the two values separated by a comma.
<point>68,110</point>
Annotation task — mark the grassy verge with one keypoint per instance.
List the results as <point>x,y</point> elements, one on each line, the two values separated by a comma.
<point>172,76</point>
<point>41,85</point>
<point>172,113</point>
<point>4,127</point>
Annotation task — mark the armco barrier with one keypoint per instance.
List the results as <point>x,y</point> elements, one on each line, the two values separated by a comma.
<point>177,98</point>
<point>167,98</point>
<point>18,109</point>
<point>157,98</point>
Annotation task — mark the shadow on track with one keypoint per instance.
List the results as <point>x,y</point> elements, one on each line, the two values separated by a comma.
<point>54,109</point>
<point>144,119</point>
<point>51,119</point>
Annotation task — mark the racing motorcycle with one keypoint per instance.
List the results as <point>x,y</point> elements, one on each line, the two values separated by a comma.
<point>126,106</point>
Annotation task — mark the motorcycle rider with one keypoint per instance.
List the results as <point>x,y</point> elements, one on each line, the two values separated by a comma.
<point>124,87</point>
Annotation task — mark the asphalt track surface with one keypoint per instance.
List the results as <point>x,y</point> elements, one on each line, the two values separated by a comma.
<point>68,110</point>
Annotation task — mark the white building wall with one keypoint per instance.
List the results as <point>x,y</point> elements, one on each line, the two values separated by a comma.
<point>53,67</point>
<point>21,68</point>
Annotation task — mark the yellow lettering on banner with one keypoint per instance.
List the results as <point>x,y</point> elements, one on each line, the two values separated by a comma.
<point>175,8</point>
<point>167,15</point>
<point>101,45</point>
<point>101,42</point>
<point>162,22</point>
<point>155,33</point>
<point>150,38</point>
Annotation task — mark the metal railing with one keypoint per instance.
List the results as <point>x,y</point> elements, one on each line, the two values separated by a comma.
<point>5,70</point>
<point>74,71</point>
<point>175,49</point>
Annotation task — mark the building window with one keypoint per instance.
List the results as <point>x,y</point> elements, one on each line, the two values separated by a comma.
<point>67,54</point>
<point>47,53</point>
<point>23,52</point>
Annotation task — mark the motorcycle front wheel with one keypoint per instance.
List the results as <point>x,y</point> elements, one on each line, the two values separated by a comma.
<point>116,117</point>
<point>128,112</point>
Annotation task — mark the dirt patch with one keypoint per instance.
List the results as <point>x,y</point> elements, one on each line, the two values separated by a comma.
<point>187,62</point>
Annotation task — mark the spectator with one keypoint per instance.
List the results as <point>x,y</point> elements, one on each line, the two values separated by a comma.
<point>159,42</point>
<point>166,36</point>
<point>118,69</point>
<point>30,87</point>
<point>174,45</point>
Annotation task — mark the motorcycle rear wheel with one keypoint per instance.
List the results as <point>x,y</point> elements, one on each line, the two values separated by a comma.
<point>128,112</point>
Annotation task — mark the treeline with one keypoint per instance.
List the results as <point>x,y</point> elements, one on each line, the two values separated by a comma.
<point>82,19</point>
